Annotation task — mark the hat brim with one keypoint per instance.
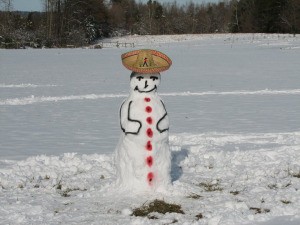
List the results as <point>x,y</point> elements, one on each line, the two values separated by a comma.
<point>161,61</point>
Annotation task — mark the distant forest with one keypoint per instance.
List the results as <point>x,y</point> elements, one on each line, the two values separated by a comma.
<point>82,22</point>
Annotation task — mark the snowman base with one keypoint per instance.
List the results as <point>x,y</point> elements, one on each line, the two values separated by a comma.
<point>135,174</point>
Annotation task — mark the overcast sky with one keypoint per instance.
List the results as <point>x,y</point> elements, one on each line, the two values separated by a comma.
<point>36,5</point>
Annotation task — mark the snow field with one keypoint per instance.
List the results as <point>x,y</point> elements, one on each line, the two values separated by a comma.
<point>233,102</point>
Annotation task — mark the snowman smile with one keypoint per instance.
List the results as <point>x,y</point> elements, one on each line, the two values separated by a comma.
<point>137,89</point>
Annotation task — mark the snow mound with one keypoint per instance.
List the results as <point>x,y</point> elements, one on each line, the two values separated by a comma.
<point>227,178</point>
<point>69,171</point>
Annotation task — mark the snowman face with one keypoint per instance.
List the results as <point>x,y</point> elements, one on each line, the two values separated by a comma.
<point>144,83</point>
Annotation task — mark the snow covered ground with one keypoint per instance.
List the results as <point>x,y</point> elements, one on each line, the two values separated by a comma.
<point>233,103</point>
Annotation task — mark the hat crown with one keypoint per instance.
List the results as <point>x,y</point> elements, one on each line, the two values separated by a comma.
<point>144,59</point>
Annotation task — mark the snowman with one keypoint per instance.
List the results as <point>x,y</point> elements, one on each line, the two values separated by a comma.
<point>143,158</point>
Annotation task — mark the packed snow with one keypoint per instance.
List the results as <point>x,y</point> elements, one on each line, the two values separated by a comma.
<point>233,105</point>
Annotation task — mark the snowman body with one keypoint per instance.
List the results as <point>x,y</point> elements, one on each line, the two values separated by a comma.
<point>143,158</point>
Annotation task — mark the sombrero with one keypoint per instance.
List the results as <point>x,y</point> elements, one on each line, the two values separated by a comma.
<point>146,61</point>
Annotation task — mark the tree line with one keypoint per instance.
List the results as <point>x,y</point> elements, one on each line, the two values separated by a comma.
<point>82,22</point>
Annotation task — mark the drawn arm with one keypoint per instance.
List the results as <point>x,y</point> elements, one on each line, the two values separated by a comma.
<point>163,123</point>
<point>128,125</point>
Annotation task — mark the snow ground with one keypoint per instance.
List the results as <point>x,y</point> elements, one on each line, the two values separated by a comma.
<point>233,102</point>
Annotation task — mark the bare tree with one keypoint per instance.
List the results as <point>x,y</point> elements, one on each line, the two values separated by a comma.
<point>6,5</point>
<point>6,25</point>
<point>290,16</point>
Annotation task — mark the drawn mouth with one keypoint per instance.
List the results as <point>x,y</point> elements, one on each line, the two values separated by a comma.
<point>137,89</point>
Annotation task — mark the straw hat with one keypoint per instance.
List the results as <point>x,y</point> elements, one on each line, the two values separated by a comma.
<point>146,61</point>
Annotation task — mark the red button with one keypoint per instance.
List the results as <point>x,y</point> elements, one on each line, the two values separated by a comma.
<point>149,120</point>
<point>150,132</point>
<point>149,161</point>
<point>150,177</point>
<point>148,109</point>
<point>147,99</point>
<point>149,146</point>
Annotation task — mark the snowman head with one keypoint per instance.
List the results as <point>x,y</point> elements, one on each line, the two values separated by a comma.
<point>144,83</point>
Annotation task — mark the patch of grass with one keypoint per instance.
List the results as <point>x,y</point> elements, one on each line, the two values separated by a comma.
<point>286,202</point>
<point>234,192</point>
<point>211,186</point>
<point>174,221</point>
<point>152,217</point>
<point>273,186</point>
<point>259,210</point>
<point>297,175</point>
<point>194,196</point>
<point>294,173</point>
<point>158,206</point>
<point>66,193</point>
<point>199,216</point>
<point>59,186</point>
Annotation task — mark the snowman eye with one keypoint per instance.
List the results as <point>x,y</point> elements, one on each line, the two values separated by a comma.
<point>154,78</point>
<point>140,78</point>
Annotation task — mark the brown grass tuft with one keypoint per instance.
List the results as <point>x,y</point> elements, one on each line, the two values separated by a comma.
<point>157,206</point>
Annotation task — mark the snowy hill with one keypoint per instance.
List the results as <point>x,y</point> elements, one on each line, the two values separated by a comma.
<point>233,102</point>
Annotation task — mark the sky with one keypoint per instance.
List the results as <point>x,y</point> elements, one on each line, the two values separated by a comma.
<point>36,5</point>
